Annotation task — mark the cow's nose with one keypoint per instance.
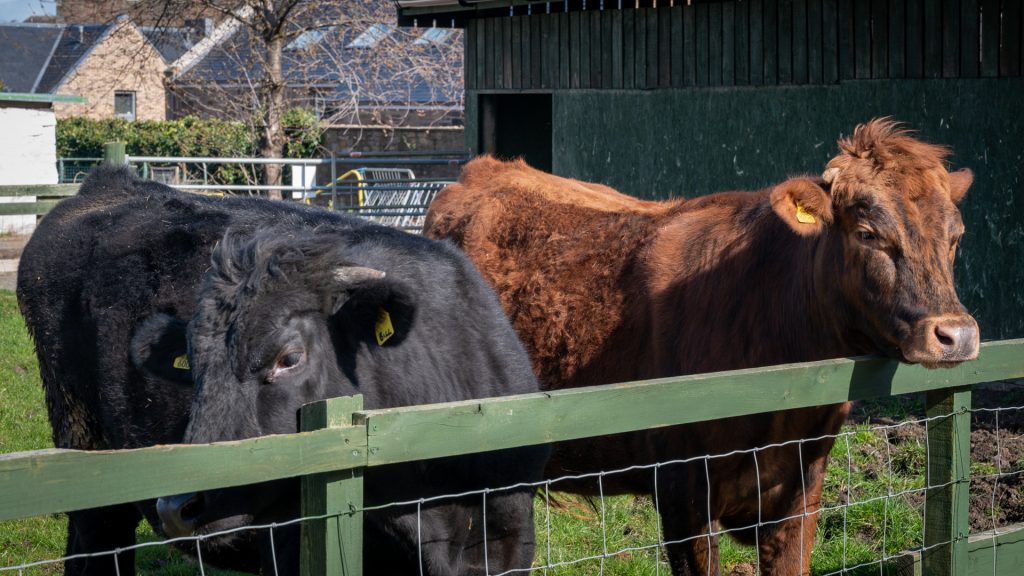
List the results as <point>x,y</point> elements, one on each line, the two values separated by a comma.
<point>180,514</point>
<point>957,339</point>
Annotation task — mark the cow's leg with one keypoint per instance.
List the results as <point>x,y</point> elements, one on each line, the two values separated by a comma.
<point>683,502</point>
<point>785,547</point>
<point>698,552</point>
<point>450,539</point>
<point>102,530</point>
<point>510,530</point>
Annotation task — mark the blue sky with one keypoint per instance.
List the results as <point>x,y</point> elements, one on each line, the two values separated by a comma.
<point>18,10</point>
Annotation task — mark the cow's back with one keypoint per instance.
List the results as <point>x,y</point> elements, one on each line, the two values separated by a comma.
<point>99,264</point>
<point>523,230</point>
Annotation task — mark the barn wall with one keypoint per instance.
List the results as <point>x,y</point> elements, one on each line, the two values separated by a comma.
<point>661,144</point>
<point>691,99</point>
<point>667,143</point>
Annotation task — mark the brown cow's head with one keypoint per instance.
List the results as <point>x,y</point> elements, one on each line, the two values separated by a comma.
<point>888,216</point>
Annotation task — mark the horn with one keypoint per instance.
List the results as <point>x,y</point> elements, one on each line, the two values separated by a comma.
<point>350,275</point>
<point>830,174</point>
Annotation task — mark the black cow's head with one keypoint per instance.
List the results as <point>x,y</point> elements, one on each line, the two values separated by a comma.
<point>280,321</point>
<point>890,228</point>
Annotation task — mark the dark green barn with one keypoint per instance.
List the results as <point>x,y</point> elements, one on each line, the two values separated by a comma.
<point>662,98</point>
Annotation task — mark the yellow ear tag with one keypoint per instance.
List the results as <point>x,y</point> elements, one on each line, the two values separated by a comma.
<point>803,216</point>
<point>383,330</point>
<point>181,363</point>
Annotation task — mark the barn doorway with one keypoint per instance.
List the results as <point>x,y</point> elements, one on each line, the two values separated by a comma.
<point>514,125</point>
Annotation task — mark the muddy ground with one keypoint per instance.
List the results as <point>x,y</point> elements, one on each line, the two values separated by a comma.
<point>997,447</point>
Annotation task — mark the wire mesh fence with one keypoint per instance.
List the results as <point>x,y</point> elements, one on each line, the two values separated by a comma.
<point>872,518</point>
<point>74,170</point>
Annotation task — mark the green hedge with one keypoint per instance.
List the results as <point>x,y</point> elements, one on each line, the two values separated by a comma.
<point>189,136</point>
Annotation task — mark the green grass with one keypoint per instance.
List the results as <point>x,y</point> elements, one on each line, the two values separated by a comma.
<point>630,521</point>
<point>872,527</point>
<point>24,426</point>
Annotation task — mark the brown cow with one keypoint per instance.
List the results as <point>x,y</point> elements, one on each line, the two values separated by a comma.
<point>606,288</point>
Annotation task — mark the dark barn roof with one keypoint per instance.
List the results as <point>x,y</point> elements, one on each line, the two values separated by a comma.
<point>455,13</point>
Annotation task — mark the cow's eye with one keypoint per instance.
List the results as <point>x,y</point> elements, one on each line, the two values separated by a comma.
<point>290,359</point>
<point>866,235</point>
<point>286,361</point>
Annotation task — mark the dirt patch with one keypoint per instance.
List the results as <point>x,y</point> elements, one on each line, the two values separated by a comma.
<point>743,570</point>
<point>997,448</point>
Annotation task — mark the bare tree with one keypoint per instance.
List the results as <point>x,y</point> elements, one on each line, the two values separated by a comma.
<point>345,60</point>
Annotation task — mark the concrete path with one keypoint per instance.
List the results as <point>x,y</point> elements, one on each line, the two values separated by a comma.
<point>10,251</point>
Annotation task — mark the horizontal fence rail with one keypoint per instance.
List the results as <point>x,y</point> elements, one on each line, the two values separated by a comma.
<point>33,199</point>
<point>36,483</point>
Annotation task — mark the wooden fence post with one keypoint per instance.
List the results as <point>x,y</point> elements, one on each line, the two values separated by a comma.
<point>333,546</point>
<point>949,471</point>
<point>113,153</point>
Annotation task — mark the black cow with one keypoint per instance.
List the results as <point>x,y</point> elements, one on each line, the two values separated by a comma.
<point>101,264</point>
<point>286,317</point>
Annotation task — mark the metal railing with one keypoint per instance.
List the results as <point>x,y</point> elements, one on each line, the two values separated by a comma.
<point>74,170</point>
<point>398,201</point>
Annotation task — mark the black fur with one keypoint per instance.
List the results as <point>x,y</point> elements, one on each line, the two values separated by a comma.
<point>125,258</point>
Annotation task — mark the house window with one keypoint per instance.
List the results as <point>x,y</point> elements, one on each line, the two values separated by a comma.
<point>433,36</point>
<point>306,40</point>
<point>124,105</point>
<point>370,37</point>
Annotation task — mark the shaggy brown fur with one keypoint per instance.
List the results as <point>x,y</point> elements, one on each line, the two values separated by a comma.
<point>606,288</point>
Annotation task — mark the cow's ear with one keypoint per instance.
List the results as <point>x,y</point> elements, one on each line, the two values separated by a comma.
<point>959,182</point>
<point>803,205</point>
<point>159,349</point>
<point>370,306</point>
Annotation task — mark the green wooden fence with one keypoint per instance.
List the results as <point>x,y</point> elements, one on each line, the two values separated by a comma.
<point>340,440</point>
<point>46,197</point>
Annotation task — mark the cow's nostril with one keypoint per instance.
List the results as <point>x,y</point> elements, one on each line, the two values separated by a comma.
<point>192,509</point>
<point>180,514</point>
<point>947,338</point>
